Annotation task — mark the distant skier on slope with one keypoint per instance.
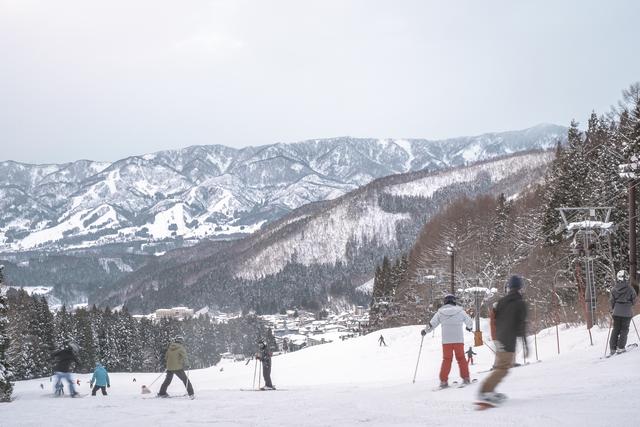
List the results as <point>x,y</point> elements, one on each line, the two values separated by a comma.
<point>452,317</point>
<point>511,317</point>
<point>101,380</point>
<point>470,355</point>
<point>622,299</point>
<point>64,357</point>
<point>176,358</point>
<point>264,356</point>
<point>381,341</point>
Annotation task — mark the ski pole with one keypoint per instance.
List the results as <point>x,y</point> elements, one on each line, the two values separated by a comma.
<point>418,362</point>
<point>260,375</point>
<point>634,327</point>
<point>255,369</point>
<point>188,383</point>
<point>156,379</point>
<point>606,344</point>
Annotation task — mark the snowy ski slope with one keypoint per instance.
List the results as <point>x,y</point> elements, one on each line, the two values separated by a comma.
<point>356,382</point>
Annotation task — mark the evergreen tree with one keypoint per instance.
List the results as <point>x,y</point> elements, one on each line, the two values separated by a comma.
<point>6,386</point>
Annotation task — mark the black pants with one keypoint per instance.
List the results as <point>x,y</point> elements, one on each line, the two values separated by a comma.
<point>266,373</point>
<point>619,332</point>
<point>101,387</point>
<point>167,380</point>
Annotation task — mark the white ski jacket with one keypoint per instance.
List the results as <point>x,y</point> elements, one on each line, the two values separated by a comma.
<point>452,317</point>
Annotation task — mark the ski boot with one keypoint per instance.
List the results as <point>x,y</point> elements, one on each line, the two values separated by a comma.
<point>444,384</point>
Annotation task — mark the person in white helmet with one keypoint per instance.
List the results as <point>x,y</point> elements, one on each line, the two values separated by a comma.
<point>452,317</point>
<point>621,301</point>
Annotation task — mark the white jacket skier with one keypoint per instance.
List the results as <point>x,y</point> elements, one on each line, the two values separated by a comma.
<point>451,317</point>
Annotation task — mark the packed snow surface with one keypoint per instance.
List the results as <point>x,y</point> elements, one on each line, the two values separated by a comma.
<point>357,382</point>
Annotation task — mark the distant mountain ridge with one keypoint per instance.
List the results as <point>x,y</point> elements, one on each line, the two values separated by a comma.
<point>213,190</point>
<point>321,252</point>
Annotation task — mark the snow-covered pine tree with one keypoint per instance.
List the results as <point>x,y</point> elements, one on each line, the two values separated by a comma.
<point>22,349</point>
<point>85,339</point>
<point>6,386</point>
<point>63,330</point>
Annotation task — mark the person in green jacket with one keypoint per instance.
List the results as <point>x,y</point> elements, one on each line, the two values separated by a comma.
<point>176,359</point>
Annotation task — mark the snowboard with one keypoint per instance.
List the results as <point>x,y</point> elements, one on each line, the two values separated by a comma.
<point>481,405</point>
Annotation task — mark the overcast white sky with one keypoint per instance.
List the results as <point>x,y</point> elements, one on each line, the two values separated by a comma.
<point>108,79</point>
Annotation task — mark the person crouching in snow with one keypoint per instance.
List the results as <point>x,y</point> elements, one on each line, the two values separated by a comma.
<point>101,380</point>
<point>510,320</point>
<point>451,317</point>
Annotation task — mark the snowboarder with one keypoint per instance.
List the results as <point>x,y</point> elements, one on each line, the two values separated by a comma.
<point>511,317</point>
<point>470,355</point>
<point>62,368</point>
<point>264,356</point>
<point>176,359</point>
<point>101,379</point>
<point>452,317</point>
<point>622,299</point>
<point>381,341</point>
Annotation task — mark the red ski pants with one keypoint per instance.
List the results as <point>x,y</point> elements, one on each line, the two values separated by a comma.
<point>447,357</point>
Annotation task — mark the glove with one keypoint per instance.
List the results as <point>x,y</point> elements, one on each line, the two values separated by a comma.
<point>469,330</point>
<point>423,332</point>
<point>90,384</point>
<point>108,385</point>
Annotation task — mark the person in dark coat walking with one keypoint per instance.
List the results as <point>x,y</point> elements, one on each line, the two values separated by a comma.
<point>511,318</point>
<point>264,356</point>
<point>176,358</point>
<point>621,301</point>
<point>62,368</point>
<point>381,341</point>
<point>470,355</point>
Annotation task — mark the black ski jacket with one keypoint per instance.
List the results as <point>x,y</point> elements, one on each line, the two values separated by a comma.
<point>264,354</point>
<point>511,318</point>
<point>63,360</point>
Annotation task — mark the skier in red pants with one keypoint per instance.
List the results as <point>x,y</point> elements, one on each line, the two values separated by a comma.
<point>452,317</point>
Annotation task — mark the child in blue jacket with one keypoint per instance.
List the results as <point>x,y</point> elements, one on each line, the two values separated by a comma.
<point>101,380</point>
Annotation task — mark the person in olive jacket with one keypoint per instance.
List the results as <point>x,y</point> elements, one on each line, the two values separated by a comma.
<point>176,359</point>
<point>621,301</point>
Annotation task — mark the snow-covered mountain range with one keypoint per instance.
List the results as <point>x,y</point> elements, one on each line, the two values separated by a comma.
<point>208,191</point>
<point>320,250</point>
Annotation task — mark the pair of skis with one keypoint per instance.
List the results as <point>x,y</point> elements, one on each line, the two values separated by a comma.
<point>456,384</point>
<point>628,348</point>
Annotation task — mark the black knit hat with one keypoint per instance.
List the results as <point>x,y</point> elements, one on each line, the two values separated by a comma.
<point>515,282</point>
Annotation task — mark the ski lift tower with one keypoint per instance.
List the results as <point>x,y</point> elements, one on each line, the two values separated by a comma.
<point>587,233</point>
<point>480,294</point>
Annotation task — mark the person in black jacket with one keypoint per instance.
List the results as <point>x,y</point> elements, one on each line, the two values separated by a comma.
<point>62,368</point>
<point>621,301</point>
<point>511,317</point>
<point>264,356</point>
